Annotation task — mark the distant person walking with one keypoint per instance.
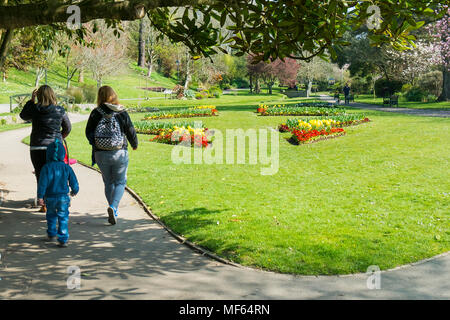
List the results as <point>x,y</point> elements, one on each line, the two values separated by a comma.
<point>49,122</point>
<point>108,129</point>
<point>347,93</point>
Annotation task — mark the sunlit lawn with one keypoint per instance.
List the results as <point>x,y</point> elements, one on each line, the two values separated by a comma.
<point>378,196</point>
<point>404,104</point>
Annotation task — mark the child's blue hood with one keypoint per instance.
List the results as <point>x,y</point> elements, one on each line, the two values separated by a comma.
<point>56,151</point>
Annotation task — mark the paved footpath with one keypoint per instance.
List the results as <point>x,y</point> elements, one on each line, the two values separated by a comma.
<point>414,112</point>
<point>137,259</point>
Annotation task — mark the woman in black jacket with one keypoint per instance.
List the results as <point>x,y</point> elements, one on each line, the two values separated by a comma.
<point>49,122</point>
<point>109,129</point>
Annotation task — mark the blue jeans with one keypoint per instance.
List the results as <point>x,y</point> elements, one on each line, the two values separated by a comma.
<point>58,212</point>
<point>114,166</point>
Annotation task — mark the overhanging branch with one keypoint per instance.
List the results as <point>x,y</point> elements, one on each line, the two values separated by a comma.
<point>48,12</point>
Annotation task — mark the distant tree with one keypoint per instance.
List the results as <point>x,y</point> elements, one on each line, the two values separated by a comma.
<point>440,33</point>
<point>105,54</point>
<point>141,44</point>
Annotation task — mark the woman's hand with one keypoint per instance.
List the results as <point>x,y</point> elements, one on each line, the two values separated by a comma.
<point>33,95</point>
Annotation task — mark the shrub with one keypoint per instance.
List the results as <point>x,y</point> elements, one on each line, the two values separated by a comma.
<point>240,83</point>
<point>76,109</point>
<point>406,87</point>
<point>431,82</point>
<point>17,109</point>
<point>384,87</point>
<point>416,94</point>
<point>214,92</point>
<point>190,94</point>
<point>88,109</point>
<point>14,119</point>
<point>90,93</point>
<point>77,93</point>
<point>360,85</point>
<point>431,98</point>
<point>3,122</point>
<point>198,96</point>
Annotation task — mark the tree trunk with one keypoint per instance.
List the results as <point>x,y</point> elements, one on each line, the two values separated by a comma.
<point>251,84</point>
<point>150,67</point>
<point>445,95</point>
<point>257,86</point>
<point>39,74</point>
<point>81,76</point>
<point>4,45</point>
<point>270,87</point>
<point>188,74</point>
<point>141,45</point>
<point>308,88</point>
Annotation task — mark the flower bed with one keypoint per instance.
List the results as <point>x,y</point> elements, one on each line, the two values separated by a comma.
<point>313,130</point>
<point>340,121</point>
<point>155,127</point>
<point>309,136</point>
<point>300,110</point>
<point>197,137</point>
<point>262,108</point>
<point>182,113</point>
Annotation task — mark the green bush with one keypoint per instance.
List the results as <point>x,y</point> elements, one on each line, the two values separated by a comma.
<point>3,122</point>
<point>431,98</point>
<point>416,94</point>
<point>360,85</point>
<point>88,109</point>
<point>14,119</point>
<point>76,109</point>
<point>77,93</point>
<point>190,94</point>
<point>384,87</point>
<point>17,110</point>
<point>431,82</point>
<point>214,92</point>
<point>240,83</point>
<point>406,87</point>
<point>198,96</point>
<point>90,94</point>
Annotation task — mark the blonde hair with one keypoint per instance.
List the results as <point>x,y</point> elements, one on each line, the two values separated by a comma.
<point>106,94</point>
<point>46,96</point>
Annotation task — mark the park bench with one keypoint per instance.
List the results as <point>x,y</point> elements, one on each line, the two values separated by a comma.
<point>390,100</point>
<point>21,99</point>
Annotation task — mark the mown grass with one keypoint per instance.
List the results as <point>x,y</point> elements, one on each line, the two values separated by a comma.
<point>377,196</point>
<point>365,98</point>
<point>127,82</point>
<point>13,126</point>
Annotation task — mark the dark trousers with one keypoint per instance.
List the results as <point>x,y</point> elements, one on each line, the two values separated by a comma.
<point>39,159</point>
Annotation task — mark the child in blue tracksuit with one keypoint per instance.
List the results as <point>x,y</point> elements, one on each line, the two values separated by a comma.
<point>54,181</point>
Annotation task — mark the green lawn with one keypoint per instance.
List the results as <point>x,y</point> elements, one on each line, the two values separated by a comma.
<point>404,104</point>
<point>13,126</point>
<point>127,83</point>
<point>378,196</point>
